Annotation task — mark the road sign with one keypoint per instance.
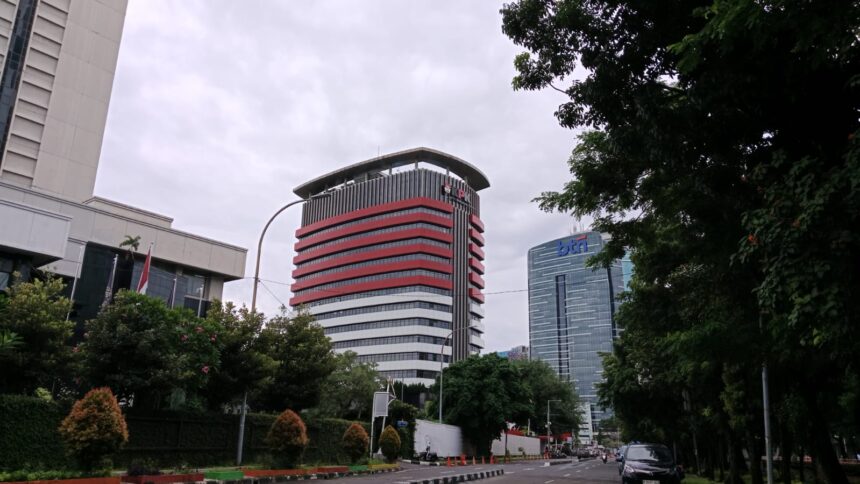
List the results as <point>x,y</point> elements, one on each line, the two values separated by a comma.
<point>380,404</point>
<point>402,423</point>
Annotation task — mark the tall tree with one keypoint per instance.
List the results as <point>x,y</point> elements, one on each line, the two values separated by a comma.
<point>348,391</point>
<point>543,385</point>
<point>304,360</point>
<point>245,366</point>
<point>35,314</point>
<point>481,394</point>
<point>725,145</point>
<point>150,355</point>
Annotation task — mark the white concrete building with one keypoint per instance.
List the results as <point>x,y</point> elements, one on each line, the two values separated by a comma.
<point>57,64</point>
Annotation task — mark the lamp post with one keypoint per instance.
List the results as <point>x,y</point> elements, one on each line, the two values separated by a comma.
<point>547,419</point>
<point>442,362</point>
<point>254,309</point>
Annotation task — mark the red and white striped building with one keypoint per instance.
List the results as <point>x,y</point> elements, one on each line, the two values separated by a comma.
<point>389,260</point>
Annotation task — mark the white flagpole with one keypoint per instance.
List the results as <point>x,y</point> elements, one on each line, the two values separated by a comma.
<point>75,281</point>
<point>109,288</point>
<point>173,294</point>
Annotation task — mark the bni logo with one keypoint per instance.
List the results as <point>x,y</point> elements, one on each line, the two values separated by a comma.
<point>573,246</point>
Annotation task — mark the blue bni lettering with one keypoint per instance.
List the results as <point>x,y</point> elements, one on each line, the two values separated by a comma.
<point>574,246</point>
<point>563,249</point>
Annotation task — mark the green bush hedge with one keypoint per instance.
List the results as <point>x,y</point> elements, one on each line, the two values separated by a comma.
<point>28,434</point>
<point>29,437</point>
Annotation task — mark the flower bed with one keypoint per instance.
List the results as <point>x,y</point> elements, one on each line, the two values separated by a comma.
<point>85,480</point>
<point>163,478</point>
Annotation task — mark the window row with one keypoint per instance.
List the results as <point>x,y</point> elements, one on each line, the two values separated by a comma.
<point>386,230</point>
<point>390,340</point>
<point>410,374</point>
<point>387,260</point>
<point>408,356</point>
<point>382,217</point>
<point>384,307</point>
<point>389,323</point>
<point>375,277</point>
<point>406,291</point>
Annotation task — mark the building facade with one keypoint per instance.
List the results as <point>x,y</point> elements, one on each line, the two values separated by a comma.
<point>389,260</point>
<point>58,59</point>
<point>520,352</point>
<point>571,313</point>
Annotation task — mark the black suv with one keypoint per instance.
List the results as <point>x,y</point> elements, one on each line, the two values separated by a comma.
<point>649,464</point>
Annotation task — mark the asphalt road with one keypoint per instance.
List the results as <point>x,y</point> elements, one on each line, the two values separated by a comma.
<point>587,471</point>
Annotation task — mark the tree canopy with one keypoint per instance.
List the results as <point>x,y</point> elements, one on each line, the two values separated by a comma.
<point>718,145</point>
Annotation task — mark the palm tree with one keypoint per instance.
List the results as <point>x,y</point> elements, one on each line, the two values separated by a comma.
<point>131,242</point>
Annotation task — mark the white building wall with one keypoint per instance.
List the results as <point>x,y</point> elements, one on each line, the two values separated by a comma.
<point>445,440</point>
<point>530,445</point>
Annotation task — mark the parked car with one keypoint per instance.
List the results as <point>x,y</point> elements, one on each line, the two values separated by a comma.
<point>619,455</point>
<point>649,464</point>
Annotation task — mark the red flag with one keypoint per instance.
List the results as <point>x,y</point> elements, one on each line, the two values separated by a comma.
<point>144,275</point>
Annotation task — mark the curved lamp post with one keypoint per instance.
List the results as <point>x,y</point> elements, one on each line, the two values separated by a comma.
<point>254,308</point>
<point>442,362</point>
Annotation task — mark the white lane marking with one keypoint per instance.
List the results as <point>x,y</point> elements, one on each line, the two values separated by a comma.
<point>447,472</point>
<point>566,475</point>
<point>579,470</point>
<point>529,468</point>
<point>547,482</point>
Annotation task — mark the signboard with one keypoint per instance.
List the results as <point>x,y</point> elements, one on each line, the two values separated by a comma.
<point>402,423</point>
<point>380,404</point>
<point>573,246</point>
<point>459,193</point>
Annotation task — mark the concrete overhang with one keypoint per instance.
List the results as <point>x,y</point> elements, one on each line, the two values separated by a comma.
<point>463,169</point>
<point>32,231</point>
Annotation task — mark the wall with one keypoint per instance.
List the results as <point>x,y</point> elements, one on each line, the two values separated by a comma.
<point>445,440</point>
<point>530,445</point>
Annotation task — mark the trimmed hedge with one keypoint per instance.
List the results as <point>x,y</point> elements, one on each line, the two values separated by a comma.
<point>29,437</point>
<point>28,434</point>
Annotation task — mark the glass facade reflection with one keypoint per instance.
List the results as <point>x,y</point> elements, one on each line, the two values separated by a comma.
<point>571,311</point>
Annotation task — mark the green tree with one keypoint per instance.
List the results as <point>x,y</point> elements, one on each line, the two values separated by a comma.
<point>94,429</point>
<point>149,355</point>
<point>133,243</point>
<point>244,364</point>
<point>389,443</point>
<point>348,391</point>
<point>543,385</point>
<point>305,360</point>
<point>36,313</point>
<point>481,394</point>
<point>725,151</point>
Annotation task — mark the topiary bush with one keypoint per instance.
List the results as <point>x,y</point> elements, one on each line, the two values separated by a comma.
<point>389,443</point>
<point>287,439</point>
<point>95,429</point>
<point>355,442</point>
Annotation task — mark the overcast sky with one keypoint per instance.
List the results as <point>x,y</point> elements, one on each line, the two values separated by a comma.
<point>220,108</point>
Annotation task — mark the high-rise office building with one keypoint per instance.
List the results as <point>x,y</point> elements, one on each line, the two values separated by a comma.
<point>389,260</point>
<point>57,64</point>
<point>571,312</point>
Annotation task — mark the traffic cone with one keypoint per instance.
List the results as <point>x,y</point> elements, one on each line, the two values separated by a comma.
<point>449,462</point>
<point>482,460</point>
<point>473,460</point>
<point>462,459</point>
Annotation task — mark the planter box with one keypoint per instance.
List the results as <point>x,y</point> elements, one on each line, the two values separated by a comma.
<point>358,468</point>
<point>274,472</point>
<point>224,475</point>
<point>163,478</point>
<point>86,480</point>
<point>331,470</point>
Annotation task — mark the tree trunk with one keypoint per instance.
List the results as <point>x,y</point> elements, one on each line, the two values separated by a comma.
<point>755,458</point>
<point>826,462</point>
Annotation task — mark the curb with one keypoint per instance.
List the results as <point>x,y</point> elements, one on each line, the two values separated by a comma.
<point>472,476</point>
<point>422,462</point>
<point>313,476</point>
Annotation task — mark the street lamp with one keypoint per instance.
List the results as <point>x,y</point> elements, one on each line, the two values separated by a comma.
<point>547,419</point>
<point>442,362</point>
<point>254,309</point>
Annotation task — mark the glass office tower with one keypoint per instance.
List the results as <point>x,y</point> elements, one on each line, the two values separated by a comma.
<point>571,313</point>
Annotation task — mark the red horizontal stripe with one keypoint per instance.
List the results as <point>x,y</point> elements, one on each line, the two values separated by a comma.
<point>474,220</point>
<point>476,280</point>
<point>372,286</point>
<point>476,236</point>
<point>477,251</point>
<point>373,225</point>
<point>417,248</point>
<point>475,264</point>
<point>372,240</point>
<point>371,270</point>
<point>375,210</point>
<point>476,295</point>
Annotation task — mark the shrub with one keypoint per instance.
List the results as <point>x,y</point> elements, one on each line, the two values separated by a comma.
<point>287,438</point>
<point>95,428</point>
<point>389,443</point>
<point>143,467</point>
<point>29,438</point>
<point>355,442</point>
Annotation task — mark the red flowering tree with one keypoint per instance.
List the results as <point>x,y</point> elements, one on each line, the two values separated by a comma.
<point>287,439</point>
<point>355,442</point>
<point>94,429</point>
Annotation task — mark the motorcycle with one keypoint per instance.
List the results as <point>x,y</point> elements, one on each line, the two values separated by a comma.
<point>604,458</point>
